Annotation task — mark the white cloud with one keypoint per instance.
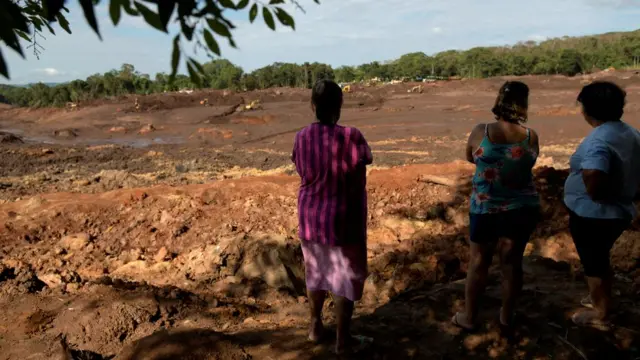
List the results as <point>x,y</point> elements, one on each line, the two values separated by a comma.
<point>537,37</point>
<point>49,72</point>
<point>336,32</point>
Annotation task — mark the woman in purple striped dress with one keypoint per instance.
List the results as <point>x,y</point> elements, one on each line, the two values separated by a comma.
<point>332,211</point>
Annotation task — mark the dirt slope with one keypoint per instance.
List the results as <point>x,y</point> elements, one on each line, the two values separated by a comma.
<point>186,265</point>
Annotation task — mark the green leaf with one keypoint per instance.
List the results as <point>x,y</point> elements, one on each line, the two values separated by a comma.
<point>197,65</point>
<point>11,39</point>
<point>268,18</point>
<point>175,58</point>
<point>150,17</point>
<point>90,15</point>
<point>253,13</point>
<point>36,23</point>
<point>52,8</point>
<point>49,27</point>
<point>165,10</point>
<point>126,5</point>
<point>3,67</point>
<point>211,42</point>
<point>219,28</point>
<point>227,3</point>
<point>193,75</point>
<point>285,18</point>
<point>23,35</point>
<point>115,10</point>
<point>242,4</point>
<point>187,30</point>
<point>64,24</point>
<point>276,2</point>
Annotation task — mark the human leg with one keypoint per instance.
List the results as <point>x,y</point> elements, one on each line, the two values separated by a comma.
<point>477,273</point>
<point>511,253</point>
<point>519,225</point>
<point>344,312</point>
<point>594,239</point>
<point>316,303</point>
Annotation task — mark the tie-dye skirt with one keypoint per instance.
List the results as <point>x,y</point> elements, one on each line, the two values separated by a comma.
<point>341,270</point>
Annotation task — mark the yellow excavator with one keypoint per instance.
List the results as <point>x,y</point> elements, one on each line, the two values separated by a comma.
<point>346,88</point>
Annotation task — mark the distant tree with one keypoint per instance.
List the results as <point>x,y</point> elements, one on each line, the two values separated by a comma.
<point>222,74</point>
<point>570,62</point>
<point>127,72</point>
<point>569,56</point>
<point>345,74</point>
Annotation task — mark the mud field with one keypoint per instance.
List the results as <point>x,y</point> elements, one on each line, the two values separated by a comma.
<point>168,231</point>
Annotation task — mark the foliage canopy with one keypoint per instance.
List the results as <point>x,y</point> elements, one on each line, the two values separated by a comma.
<point>199,20</point>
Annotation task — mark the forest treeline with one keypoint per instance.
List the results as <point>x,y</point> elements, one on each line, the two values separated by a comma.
<point>568,56</point>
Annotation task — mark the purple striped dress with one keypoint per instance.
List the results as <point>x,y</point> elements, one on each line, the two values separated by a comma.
<point>332,207</point>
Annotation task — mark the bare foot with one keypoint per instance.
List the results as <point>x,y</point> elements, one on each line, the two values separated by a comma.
<point>461,320</point>
<point>316,331</point>
<point>590,318</point>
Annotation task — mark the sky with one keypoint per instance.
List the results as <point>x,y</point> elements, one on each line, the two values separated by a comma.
<point>337,32</point>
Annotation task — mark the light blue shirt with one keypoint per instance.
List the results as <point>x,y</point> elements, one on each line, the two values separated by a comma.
<point>614,148</point>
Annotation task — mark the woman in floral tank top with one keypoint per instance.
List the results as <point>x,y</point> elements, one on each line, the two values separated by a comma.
<point>504,203</point>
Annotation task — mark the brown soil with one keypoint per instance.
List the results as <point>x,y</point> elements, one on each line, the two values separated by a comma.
<point>115,244</point>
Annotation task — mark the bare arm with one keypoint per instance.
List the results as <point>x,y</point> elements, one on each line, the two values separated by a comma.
<point>595,172</point>
<point>535,141</point>
<point>474,141</point>
<point>364,150</point>
<point>597,184</point>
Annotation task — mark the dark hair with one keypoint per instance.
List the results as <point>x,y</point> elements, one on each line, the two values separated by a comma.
<point>512,102</point>
<point>603,101</point>
<point>326,97</point>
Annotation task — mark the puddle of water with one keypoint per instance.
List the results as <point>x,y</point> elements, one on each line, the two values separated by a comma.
<point>132,142</point>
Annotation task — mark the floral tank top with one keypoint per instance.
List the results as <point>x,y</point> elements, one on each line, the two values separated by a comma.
<point>503,180</point>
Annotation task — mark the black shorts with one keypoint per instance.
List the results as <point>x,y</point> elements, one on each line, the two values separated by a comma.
<point>594,239</point>
<point>517,225</point>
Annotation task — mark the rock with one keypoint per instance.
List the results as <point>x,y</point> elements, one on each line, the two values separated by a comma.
<point>131,255</point>
<point>65,133</point>
<point>72,288</point>
<point>117,179</point>
<point>83,182</point>
<point>27,280</point>
<point>147,129</point>
<point>118,129</point>
<point>456,217</point>
<point>161,255</point>
<point>274,266</point>
<point>165,217</point>
<point>47,151</point>
<point>75,242</point>
<point>52,280</point>
<point>9,138</point>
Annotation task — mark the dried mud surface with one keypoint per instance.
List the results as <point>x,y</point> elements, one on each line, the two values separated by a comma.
<point>115,245</point>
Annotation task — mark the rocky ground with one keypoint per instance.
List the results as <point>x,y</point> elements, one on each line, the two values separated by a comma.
<point>115,248</point>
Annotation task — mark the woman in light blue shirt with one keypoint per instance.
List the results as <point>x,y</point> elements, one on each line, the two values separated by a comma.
<point>599,192</point>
